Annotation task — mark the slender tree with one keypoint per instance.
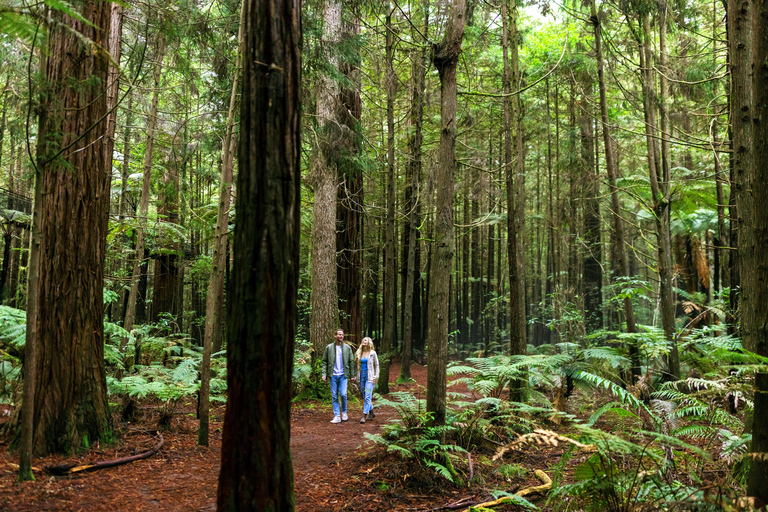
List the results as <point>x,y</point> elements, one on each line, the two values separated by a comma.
<point>256,470</point>
<point>215,297</point>
<point>445,58</point>
<point>752,239</point>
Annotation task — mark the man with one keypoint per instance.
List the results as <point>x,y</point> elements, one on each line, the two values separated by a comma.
<point>338,362</point>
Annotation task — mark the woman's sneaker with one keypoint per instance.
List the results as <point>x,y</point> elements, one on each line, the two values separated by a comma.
<point>344,416</point>
<point>336,419</point>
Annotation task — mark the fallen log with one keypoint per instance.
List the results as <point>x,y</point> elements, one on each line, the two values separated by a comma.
<point>68,469</point>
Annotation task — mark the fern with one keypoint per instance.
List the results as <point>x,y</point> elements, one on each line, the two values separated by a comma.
<point>440,469</point>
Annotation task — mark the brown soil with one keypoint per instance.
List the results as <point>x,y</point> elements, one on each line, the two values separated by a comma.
<point>335,467</point>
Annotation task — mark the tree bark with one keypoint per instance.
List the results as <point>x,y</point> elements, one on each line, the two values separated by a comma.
<point>445,58</point>
<point>754,316</point>
<point>412,205</point>
<point>350,193</point>
<point>390,297</point>
<point>256,469</point>
<point>515,186</point>
<point>70,403</point>
<point>323,179</point>
<point>663,206</point>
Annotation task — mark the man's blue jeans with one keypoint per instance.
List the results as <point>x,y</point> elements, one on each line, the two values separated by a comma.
<point>339,391</point>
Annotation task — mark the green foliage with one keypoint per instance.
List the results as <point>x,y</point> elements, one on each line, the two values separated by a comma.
<point>411,438</point>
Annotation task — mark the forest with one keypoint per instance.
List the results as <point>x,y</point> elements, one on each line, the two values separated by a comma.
<point>550,217</point>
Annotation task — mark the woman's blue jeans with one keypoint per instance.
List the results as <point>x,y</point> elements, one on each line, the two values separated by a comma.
<point>366,386</point>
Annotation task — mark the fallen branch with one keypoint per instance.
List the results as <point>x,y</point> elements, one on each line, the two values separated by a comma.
<point>493,503</point>
<point>68,469</point>
<point>541,437</point>
<point>539,488</point>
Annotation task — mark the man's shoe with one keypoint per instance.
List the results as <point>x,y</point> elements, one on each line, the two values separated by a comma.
<point>344,416</point>
<point>362,420</point>
<point>371,415</point>
<point>336,419</point>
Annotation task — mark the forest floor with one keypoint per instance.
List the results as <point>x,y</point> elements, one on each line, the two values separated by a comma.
<point>335,467</point>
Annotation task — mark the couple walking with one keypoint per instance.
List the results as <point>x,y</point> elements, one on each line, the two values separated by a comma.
<point>337,362</point>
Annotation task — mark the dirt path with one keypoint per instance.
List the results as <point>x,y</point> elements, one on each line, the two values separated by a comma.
<point>183,476</point>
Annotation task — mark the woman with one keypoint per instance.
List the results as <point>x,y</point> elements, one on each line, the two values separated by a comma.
<point>367,374</point>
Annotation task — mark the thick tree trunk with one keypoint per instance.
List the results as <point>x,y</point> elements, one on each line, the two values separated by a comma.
<point>215,296</point>
<point>350,196</point>
<point>256,470</point>
<point>445,58</point>
<point>323,179</point>
<point>70,403</point>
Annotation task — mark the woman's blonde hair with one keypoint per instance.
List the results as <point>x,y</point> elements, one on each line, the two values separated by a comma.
<point>359,352</point>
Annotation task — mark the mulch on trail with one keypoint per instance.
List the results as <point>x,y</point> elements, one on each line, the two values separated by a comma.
<point>335,467</point>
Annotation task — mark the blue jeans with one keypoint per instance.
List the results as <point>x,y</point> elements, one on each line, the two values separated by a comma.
<point>366,386</point>
<point>339,391</point>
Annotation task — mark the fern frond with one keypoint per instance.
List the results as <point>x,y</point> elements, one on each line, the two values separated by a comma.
<point>440,469</point>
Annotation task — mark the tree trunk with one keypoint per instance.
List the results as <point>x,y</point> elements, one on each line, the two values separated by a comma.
<point>593,265</point>
<point>390,297</point>
<point>350,195</point>
<point>754,316</point>
<point>618,225</point>
<point>740,48</point>
<point>256,469</point>
<point>323,179</point>
<point>215,295</point>
<point>70,403</point>
<point>139,265</point>
<point>412,205</point>
<point>445,58</point>
<point>515,199</point>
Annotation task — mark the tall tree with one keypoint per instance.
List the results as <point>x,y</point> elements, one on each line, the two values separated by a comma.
<point>256,470</point>
<point>215,297</point>
<point>445,58</point>
<point>390,299</point>
<point>323,180</point>
<point>413,202</point>
<point>612,168</point>
<point>515,183</point>
<point>740,14</point>
<point>350,191</point>
<point>70,403</point>
<point>662,203</point>
<point>139,265</point>
<point>754,316</point>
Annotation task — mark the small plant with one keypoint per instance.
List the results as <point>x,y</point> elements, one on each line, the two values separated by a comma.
<point>411,437</point>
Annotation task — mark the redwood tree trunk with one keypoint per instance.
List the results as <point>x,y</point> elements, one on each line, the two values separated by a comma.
<point>70,404</point>
<point>256,470</point>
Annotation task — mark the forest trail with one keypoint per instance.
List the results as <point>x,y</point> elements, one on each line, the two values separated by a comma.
<point>184,476</point>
